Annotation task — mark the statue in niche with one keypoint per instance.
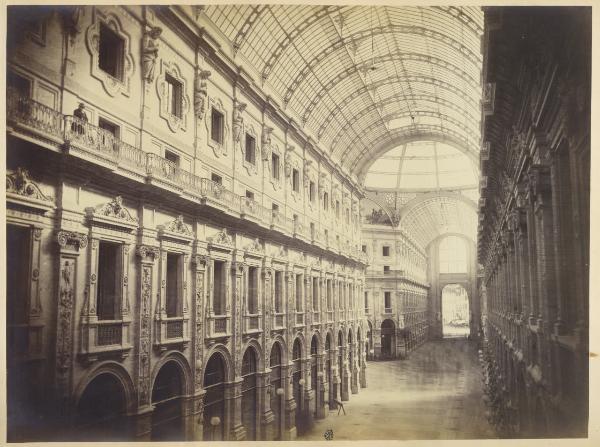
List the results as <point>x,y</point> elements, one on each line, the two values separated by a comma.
<point>200,92</point>
<point>238,119</point>
<point>150,46</point>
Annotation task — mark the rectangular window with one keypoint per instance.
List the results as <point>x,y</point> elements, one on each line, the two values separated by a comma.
<point>315,293</point>
<point>252,290</point>
<point>250,149</point>
<point>111,52</point>
<point>172,157</point>
<point>173,285</point>
<point>299,293</point>
<point>347,216</point>
<point>174,95</point>
<point>329,295</point>
<point>366,300</point>
<point>275,166</point>
<point>325,201</point>
<point>387,300</point>
<point>311,191</point>
<point>19,84</point>
<point>111,128</point>
<point>219,299</point>
<point>296,180</point>
<point>278,289</point>
<point>364,248</point>
<point>217,121</point>
<point>249,195</point>
<point>108,299</point>
<point>386,269</point>
<point>337,209</point>
<point>216,178</point>
<point>18,262</point>
<point>275,207</point>
<point>386,250</point>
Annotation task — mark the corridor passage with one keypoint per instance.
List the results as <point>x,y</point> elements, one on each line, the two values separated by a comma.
<point>435,394</point>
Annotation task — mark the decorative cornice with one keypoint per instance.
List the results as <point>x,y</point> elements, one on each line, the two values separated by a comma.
<point>64,238</point>
<point>221,238</point>
<point>254,246</point>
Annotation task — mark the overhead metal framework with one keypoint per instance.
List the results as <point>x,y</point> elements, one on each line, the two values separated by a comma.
<point>350,74</point>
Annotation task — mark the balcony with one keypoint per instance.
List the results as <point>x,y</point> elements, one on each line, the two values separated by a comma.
<point>30,120</point>
<point>103,337</point>
<point>252,323</point>
<point>171,331</point>
<point>279,320</point>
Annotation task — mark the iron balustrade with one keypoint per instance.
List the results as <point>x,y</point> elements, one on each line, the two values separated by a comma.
<point>175,329</point>
<point>220,325</point>
<point>109,334</point>
<point>30,113</point>
<point>103,144</point>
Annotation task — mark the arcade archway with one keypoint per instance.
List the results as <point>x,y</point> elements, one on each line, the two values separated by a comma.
<point>455,311</point>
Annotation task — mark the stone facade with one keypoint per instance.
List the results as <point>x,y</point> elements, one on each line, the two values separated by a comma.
<point>396,292</point>
<point>534,218</point>
<point>204,268</point>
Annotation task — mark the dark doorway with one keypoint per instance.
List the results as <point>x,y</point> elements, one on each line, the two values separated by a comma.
<point>214,399</point>
<point>314,349</point>
<point>276,384</point>
<point>101,411</point>
<point>167,422</point>
<point>249,401</point>
<point>388,339</point>
<point>297,388</point>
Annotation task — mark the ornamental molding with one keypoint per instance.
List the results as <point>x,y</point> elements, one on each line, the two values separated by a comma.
<point>111,85</point>
<point>254,246</point>
<point>176,229</point>
<point>172,69</point>
<point>147,251</point>
<point>112,214</point>
<point>22,190</point>
<point>201,93</point>
<point>219,149</point>
<point>221,238</point>
<point>72,238</point>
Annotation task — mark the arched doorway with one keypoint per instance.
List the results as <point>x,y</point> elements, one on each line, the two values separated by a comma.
<point>455,311</point>
<point>167,422</point>
<point>101,411</point>
<point>329,371</point>
<point>249,400</point>
<point>297,388</point>
<point>388,339</point>
<point>338,393</point>
<point>351,358</point>
<point>276,387</point>
<point>314,350</point>
<point>214,399</point>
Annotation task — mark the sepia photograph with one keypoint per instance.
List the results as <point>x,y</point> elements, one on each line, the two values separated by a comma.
<point>297,222</point>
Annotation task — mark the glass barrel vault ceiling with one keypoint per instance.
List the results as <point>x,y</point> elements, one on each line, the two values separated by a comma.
<point>423,165</point>
<point>364,80</point>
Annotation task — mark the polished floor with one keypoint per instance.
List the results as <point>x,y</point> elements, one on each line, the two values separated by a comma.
<point>435,394</point>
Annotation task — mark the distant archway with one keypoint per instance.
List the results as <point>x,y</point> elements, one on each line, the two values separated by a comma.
<point>455,311</point>
<point>388,339</point>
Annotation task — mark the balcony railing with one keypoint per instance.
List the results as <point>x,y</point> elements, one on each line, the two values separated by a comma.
<point>316,316</point>
<point>279,320</point>
<point>329,316</point>
<point>175,329</point>
<point>218,193</point>
<point>252,322</point>
<point>109,334</point>
<point>101,144</point>
<point>33,114</point>
<point>220,325</point>
<point>299,318</point>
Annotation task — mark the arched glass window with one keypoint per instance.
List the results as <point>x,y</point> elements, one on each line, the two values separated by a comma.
<point>453,255</point>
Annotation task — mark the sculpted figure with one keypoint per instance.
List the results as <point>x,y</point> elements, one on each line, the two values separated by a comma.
<point>150,46</point>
